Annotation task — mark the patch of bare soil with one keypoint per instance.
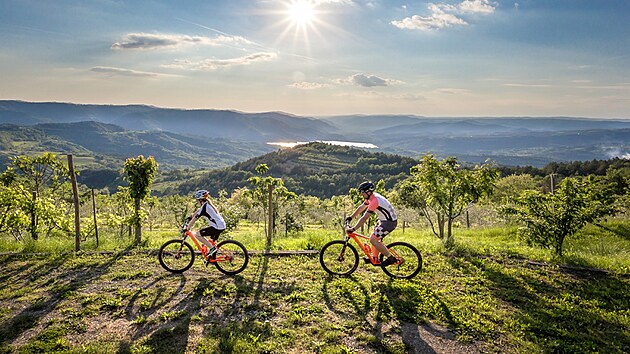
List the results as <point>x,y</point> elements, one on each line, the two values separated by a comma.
<point>433,339</point>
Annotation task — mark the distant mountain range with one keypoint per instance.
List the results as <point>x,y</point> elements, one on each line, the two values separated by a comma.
<point>103,135</point>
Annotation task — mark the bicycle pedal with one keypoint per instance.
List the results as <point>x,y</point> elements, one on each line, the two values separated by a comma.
<point>367,260</point>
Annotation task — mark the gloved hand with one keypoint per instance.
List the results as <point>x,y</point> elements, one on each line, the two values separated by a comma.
<point>348,220</point>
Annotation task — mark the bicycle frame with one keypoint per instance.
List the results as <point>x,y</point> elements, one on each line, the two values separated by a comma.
<point>367,247</point>
<point>219,257</point>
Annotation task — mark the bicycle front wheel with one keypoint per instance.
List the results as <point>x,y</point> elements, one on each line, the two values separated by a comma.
<point>339,258</point>
<point>176,256</point>
<point>409,261</point>
<point>231,258</point>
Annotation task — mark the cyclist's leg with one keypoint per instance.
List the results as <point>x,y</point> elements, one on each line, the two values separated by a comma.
<point>382,229</point>
<point>376,239</point>
<point>202,234</point>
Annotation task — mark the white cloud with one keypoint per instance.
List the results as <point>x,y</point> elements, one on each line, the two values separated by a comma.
<point>342,2</point>
<point>148,41</point>
<point>444,15</point>
<point>308,85</point>
<point>438,20</point>
<point>213,64</point>
<point>123,72</point>
<point>527,85</point>
<point>368,80</point>
<point>476,6</point>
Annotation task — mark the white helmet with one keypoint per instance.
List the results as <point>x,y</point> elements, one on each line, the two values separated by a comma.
<point>200,194</point>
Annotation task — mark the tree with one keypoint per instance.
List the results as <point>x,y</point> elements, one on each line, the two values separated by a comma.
<point>442,190</point>
<point>13,218</point>
<point>37,179</point>
<point>268,192</point>
<point>139,173</point>
<point>550,218</point>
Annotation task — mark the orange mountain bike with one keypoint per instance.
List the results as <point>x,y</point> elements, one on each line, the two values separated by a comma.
<point>340,257</point>
<point>177,255</point>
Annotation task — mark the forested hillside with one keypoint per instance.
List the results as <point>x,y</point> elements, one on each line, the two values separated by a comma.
<point>316,169</point>
<point>102,146</point>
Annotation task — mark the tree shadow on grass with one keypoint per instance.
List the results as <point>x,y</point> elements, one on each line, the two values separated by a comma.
<point>556,310</point>
<point>621,230</point>
<point>65,283</point>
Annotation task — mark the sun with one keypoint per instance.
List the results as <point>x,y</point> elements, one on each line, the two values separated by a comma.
<point>301,13</point>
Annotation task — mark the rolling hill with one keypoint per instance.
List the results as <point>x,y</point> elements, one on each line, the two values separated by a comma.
<point>218,138</point>
<point>106,146</point>
<point>317,169</point>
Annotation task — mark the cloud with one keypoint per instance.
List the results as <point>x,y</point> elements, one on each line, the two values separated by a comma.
<point>342,2</point>
<point>123,72</point>
<point>476,6</point>
<point>368,80</point>
<point>149,41</point>
<point>444,15</point>
<point>527,85</point>
<point>213,64</point>
<point>308,85</point>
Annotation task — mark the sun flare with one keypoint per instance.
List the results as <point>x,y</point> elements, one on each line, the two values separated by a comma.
<point>301,12</point>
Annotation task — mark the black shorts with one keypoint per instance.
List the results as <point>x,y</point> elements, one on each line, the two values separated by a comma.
<point>383,228</point>
<point>211,232</point>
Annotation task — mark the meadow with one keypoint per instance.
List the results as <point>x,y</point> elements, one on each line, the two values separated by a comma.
<point>491,293</point>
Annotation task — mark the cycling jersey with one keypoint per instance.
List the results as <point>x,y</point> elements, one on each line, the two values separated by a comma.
<point>378,204</point>
<point>212,216</point>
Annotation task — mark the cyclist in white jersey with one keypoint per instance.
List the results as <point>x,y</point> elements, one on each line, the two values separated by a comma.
<point>211,214</point>
<point>387,220</point>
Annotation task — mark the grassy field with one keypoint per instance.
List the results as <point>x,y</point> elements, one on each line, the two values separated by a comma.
<point>489,294</point>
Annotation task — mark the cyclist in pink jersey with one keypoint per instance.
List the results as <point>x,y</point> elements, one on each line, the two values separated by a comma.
<point>387,220</point>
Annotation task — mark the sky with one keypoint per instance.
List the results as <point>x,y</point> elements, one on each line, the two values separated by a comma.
<point>450,58</point>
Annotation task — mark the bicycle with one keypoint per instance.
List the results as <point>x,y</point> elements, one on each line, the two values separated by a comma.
<point>177,255</point>
<point>336,260</point>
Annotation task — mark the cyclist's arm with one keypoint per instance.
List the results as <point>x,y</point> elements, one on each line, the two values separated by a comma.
<point>193,218</point>
<point>359,210</point>
<point>363,219</point>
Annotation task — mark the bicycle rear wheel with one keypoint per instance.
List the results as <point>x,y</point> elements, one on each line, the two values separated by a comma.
<point>336,260</point>
<point>231,257</point>
<point>409,261</point>
<point>176,256</point>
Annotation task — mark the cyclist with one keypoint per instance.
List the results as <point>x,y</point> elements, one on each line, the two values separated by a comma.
<point>387,221</point>
<point>211,214</point>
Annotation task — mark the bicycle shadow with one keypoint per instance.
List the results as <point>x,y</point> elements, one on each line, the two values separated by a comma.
<point>339,291</point>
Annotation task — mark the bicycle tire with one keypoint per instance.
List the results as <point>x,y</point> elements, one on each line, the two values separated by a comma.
<point>335,260</point>
<point>176,256</point>
<point>232,257</point>
<point>412,261</point>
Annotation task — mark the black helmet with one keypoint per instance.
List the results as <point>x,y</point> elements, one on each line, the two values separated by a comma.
<point>366,186</point>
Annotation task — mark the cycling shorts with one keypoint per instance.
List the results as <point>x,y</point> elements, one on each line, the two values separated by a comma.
<point>384,227</point>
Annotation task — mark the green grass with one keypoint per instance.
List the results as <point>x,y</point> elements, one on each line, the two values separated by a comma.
<point>606,246</point>
<point>86,303</point>
<point>490,293</point>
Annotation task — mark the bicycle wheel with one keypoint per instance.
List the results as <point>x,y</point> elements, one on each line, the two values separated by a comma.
<point>176,256</point>
<point>336,260</point>
<point>231,258</point>
<point>409,261</point>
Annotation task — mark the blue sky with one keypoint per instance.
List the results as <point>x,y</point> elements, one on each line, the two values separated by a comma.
<point>324,57</point>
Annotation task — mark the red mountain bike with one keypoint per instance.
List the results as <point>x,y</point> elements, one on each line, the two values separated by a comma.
<point>177,255</point>
<point>340,257</point>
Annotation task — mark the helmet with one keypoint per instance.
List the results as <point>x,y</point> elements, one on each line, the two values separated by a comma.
<point>200,194</point>
<point>366,186</point>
